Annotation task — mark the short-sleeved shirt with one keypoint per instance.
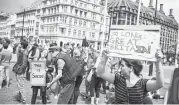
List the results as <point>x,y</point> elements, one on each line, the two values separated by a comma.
<point>129,95</point>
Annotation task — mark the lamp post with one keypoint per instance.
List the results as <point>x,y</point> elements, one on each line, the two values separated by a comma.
<point>155,12</point>
<point>23,25</point>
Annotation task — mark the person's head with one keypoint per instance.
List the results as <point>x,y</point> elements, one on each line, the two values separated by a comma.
<point>76,53</point>
<point>24,44</point>
<point>52,44</point>
<point>7,41</point>
<point>54,50</point>
<point>5,45</point>
<point>128,65</point>
<point>1,44</point>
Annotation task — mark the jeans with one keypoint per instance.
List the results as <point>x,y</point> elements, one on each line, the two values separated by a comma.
<point>35,91</point>
<point>95,85</point>
<point>20,84</point>
<point>78,82</point>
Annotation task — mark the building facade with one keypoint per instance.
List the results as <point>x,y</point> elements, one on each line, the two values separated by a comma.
<point>124,12</point>
<point>3,25</point>
<point>28,21</point>
<point>7,25</point>
<point>70,21</point>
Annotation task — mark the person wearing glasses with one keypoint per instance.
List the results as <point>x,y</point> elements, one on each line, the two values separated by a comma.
<point>129,87</point>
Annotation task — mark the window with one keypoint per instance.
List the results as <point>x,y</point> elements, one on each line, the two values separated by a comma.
<point>69,32</point>
<point>81,12</point>
<point>80,23</point>
<point>79,33</point>
<point>65,8</point>
<point>85,14</point>
<point>84,24</point>
<point>70,21</point>
<point>71,10</point>
<point>84,34</point>
<point>94,25</point>
<point>76,12</point>
<point>93,35</point>
<point>63,30</point>
<point>74,32</point>
<point>75,22</point>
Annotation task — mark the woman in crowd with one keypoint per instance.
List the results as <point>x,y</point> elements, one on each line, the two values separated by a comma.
<point>129,87</point>
<point>20,68</point>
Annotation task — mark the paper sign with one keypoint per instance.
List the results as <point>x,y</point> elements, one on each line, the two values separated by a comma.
<point>38,73</point>
<point>134,44</point>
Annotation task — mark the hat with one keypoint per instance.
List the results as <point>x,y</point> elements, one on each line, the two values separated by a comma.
<point>53,48</point>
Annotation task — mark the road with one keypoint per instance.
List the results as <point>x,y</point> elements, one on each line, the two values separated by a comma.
<point>7,95</point>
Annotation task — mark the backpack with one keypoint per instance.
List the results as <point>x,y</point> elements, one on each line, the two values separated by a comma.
<point>71,64</point>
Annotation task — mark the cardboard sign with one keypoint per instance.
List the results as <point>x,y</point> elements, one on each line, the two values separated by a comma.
<point>134,42</point>
<point>38,73</point>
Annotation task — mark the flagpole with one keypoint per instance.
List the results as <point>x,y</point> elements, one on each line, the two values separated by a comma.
<point>104,27</point>
<point>138,14</point>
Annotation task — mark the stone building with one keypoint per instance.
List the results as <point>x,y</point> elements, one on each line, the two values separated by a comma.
<point>70,21</point>
<point>124,12</point>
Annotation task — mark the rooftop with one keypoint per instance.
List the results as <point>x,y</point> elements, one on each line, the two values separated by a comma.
<point>146,10</point>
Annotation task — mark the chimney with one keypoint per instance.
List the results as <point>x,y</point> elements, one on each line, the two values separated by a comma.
<point>171,13</point>
<point>151,4</point>
<point>161,9</point>
<point>142,4</point>
<point>137,1</point>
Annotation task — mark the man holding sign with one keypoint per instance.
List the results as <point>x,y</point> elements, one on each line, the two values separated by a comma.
<point>67,69</point>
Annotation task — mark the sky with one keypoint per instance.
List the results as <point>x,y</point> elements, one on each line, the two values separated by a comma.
<point>167,4</point>
<point>15,5</point>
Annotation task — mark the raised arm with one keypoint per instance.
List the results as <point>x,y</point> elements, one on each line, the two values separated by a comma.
<point>159,82</point>
<point>101,64</point>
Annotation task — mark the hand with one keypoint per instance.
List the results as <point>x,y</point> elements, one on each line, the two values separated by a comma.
<point>48,85</point>
<point>46,69</point>
<point>159,55</point>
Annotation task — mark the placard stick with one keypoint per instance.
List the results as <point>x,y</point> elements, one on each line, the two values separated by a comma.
<point>104,27</point>
<point>138,14</point>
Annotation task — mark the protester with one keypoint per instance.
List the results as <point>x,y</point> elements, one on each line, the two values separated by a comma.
<point>172,93</point>
<point>34,55</point>
<point>5,58</point>
<point>78,57</point>
<point>128,84</point>
<point>67,69</point>
<point>20,68</point>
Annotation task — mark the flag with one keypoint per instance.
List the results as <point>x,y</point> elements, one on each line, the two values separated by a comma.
<point>84,43</point>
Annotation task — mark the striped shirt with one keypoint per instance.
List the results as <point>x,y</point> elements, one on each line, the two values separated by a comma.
<point>129,95</point>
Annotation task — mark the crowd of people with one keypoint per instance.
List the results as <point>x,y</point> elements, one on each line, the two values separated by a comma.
<point>68,65</point>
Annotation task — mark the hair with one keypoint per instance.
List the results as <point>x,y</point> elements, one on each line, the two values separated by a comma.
<point>24,44</point>
<point>53,44</point>
<point>34,49</point>
<point>7,41</point>
<point>135,64</point>
<point>5,45</point>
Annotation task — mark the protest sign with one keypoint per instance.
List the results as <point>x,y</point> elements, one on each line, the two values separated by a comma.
<point>134,42</point>
<point>38,73</point>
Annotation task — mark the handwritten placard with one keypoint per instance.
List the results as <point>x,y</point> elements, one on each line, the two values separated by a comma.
<point>134,44</point>
<point>38,73</point>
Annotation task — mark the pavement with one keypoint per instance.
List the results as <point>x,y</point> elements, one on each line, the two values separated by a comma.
<point>7,95</point>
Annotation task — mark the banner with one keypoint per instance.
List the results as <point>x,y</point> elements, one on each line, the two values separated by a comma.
<point>38,73</point>
<point>134,43</point>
